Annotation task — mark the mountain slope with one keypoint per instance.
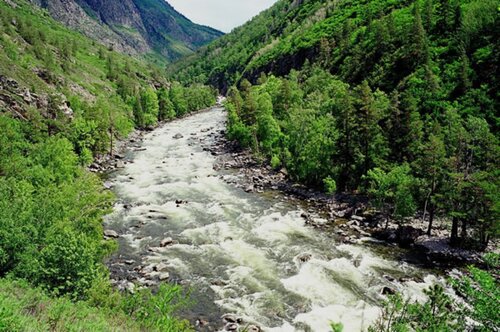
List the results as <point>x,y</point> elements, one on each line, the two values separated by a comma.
<point>65,100</point>
<point>133,26</point>
<point>397,99</point>
<point>345,33</point>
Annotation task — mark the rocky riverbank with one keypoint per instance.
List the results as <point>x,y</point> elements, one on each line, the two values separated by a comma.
<point>349,215</point>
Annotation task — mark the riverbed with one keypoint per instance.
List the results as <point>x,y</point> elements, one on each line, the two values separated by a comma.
<point>180,219</point>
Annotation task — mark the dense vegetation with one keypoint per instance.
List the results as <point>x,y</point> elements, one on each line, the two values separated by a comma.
<point>400,104</point>
<point>64,100</point>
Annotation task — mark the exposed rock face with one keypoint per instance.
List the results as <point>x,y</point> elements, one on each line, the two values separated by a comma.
<point>16,100</point>
<point>132,26</point>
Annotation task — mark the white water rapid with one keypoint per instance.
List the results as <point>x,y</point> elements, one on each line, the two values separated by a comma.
<point>242,253</point>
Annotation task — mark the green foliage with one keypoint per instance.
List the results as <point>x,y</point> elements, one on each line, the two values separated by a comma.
<point>51,212</point>
<point>481,291</point>
<point>436,314</point>
<point>337,327</point>
<point>156,311</point>
<point>393,189</point>
<point>330,185</point>
<point>23,308</point>
<point>165,105</point>
<point>150,107</point>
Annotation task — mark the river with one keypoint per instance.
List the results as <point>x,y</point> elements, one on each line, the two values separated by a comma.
<point>250,254</point>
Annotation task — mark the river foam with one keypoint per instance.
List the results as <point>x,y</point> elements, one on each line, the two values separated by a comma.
<point>243,253</point>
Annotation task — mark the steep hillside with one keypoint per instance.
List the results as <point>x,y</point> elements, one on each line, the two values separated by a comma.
<point>353,39</point>
<point>397,99</point>
<point>133,26</point>
<point>64,100</point>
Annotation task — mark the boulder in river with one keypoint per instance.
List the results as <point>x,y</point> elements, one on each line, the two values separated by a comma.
<point>230,318</point>
<point>406,235</point>
<point>231,327</point>
<point>253,328</point>
<point>160,267</point>
<point>111,234</point>
<point>388,291</point>
<point>178,136</point>
<point>166,242</point>
<point>164,276</point>
<point>304,258</point>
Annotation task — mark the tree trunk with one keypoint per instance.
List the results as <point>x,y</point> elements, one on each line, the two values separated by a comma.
<point>454,231</point>
<point>431,219</point>
<point>464,229</point>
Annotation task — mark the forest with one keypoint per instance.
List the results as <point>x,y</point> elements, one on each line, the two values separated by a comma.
<point>415,129</point>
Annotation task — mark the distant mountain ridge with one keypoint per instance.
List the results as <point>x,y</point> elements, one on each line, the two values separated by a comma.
<point>133,26</point>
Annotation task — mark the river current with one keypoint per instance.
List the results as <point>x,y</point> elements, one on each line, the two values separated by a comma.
<point>249,254</point>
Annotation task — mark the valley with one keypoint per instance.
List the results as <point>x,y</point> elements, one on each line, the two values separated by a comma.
<point>327,166</point>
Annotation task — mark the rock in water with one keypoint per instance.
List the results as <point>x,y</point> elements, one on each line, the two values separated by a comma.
<point>178,136</point>
<point>166,242</point>
<point>110,233</point>
<point>164,276</point>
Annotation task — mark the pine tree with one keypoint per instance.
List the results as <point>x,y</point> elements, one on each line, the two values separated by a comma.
<point>427,15</point>
<point>420,50</point>
<point>431,166</point>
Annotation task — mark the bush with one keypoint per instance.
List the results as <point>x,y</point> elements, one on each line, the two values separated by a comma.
<point>330,185</point>
<point>275,162</point>
<point>437,314</point>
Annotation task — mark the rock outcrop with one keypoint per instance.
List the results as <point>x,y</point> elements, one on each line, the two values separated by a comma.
<point>132,26</point>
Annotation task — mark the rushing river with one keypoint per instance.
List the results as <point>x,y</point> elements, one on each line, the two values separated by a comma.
<point>242,253</point>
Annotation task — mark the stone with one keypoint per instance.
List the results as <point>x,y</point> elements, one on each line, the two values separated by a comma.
<point>304,258</point>
<point>120,164</point>
<point>357,218</point>
<point>407,235</point>
<point>388,291</point>
<point>166,242</point>
<point>201,322</point>
<point>164,276</point>
<point>229,318</point>
<point>253,328</point>
<point>111,233</point>
<point>160,267</point>
<point>129,262</point>
<point>218,282</point>
<point>177,136</point>
<point>231,327</point>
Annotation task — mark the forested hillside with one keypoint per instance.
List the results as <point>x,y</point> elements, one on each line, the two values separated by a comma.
<point>397,99</point>
<point>64,99</point>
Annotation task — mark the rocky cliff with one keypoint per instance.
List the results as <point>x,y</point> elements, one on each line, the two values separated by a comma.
<point>133,26</point>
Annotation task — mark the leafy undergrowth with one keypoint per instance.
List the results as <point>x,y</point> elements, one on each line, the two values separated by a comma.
<point>23,308</point>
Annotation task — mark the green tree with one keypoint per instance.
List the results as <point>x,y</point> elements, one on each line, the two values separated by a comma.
<point>431,167</point>
<point>178,100</point>
<point>150,107</point>
<point>166,107</point>
<point>392,191</point>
